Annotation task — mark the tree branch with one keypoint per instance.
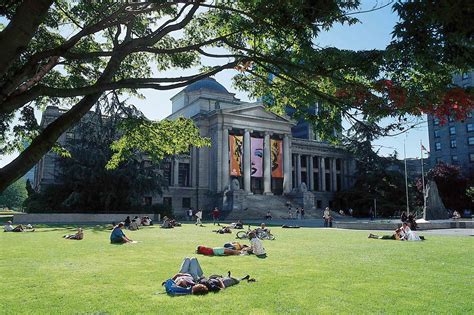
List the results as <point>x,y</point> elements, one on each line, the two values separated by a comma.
<point>19,32</point>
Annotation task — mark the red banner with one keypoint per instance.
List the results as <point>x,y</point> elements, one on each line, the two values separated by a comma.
<point>277,158</point>
<point>236,155</point>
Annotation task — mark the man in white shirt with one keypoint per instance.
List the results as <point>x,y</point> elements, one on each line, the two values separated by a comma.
<point>256,246</point>
<point>199,217</point>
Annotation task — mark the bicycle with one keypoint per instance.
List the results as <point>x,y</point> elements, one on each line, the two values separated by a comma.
<point>263,235</point>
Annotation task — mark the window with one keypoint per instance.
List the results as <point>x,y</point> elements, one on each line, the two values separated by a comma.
<point>436,133</point>
<point>183,174</point>
<point>186,203</point>
<point>436,121</point>
<point>470,140</point>
<point>453,144</point>
<point>451,118</point>
<point>470,127</point>
<point>471,157</point>
<point>437,146</point>
<point>465,76</point>
<point>469,115</point>
<point>452,131</point>
<point>167,172</point>
<point>454,159</point>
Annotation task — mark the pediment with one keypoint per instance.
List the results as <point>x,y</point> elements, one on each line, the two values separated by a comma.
<point>256,111</point>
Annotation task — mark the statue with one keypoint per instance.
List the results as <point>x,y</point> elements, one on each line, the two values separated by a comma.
<point>435,209</point>
<point>235,184</point>
<point>303,187</point>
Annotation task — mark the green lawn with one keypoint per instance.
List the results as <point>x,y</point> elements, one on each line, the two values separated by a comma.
<point>307,271</point>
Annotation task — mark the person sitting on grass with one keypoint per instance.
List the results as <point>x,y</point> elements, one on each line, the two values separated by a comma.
<point>456,215</point>
<point>134,225</point>
<point>263,229</point>
<point>408,235</point>
<point>237,225</point>
<point>78,236</point>
<point>256,246</point>
<point>117,236</point>
<point>217,251</point>
<point>8,227</point>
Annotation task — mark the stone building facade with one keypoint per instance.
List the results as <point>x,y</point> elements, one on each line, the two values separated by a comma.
<point>274,166</point>
<point>453,142</point>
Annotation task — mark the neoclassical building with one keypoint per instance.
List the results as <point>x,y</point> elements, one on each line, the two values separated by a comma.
<point>257,160</point>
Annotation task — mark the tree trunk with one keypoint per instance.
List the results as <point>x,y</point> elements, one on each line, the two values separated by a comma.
<point>44,142</point>
<point>16,36</point>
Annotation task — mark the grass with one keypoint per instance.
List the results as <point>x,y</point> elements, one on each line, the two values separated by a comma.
<point>308,271</point>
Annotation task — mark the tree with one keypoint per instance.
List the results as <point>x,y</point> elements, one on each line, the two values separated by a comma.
<point>127,46</point>
<point>14,195</point>
<point>376,177</point>
<point>452,185</point>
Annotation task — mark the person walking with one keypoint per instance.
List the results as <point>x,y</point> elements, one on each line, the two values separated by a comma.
<point>189,214</point>
<point>327,217</point>
<point>302,213</point>
<point>199,217</point>
<point>215,216</point>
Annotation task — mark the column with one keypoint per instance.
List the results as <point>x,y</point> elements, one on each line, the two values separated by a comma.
<point>298,170</point>
<point>334,174</point>
<point>286,164</point>
<point>343,174</point>
<point>175,172</point>
<point>247,165</point>
<point>267,165</point>
<point>225,159</point>
<point>311,174</point>
<point>322,173</point>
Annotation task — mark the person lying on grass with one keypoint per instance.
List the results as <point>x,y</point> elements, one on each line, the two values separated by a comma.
<point>78,236</point>
<point>190,280</point>
<point>117,236</point>
<point>398,235</point>
<point>8,227</point>
<point>224,230</point>
<point>217,251</point>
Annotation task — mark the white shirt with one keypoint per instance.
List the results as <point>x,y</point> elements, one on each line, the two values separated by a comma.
<point>199,214</point>
<point>327,214</point>
<point>257,246</point>
<point>8,228</point>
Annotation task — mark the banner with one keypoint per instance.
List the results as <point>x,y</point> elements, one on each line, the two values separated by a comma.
<point>256,147</point>
<point>277,158</point>
<point>236,155</point>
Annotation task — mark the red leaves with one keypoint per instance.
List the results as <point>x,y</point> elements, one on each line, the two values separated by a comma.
<point>387,96</point>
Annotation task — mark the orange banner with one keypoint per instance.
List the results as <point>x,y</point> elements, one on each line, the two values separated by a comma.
<point>277,158</point>
<point>236,155</point>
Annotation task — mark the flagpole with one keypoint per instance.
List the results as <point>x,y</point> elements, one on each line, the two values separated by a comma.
<point>406,177</point>
<point>423,180</point>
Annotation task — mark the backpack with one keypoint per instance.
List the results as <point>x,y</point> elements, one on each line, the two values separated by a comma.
<point>172,289</point>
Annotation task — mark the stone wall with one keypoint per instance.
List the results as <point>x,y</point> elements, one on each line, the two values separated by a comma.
<point>75,218</point>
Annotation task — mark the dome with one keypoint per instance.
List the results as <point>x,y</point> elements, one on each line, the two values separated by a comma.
<point>207,83</point>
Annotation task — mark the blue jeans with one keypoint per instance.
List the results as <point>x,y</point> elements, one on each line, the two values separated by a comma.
<point>191,266</point>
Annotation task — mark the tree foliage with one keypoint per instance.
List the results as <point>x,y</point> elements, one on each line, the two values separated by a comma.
<point>376,177</point>
<point>85,183</point>
<point>71,52</point>
<point>14,195</point>
<point>452,186</point>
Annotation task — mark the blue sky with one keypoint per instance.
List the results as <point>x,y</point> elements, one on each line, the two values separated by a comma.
<point>374,32</point>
